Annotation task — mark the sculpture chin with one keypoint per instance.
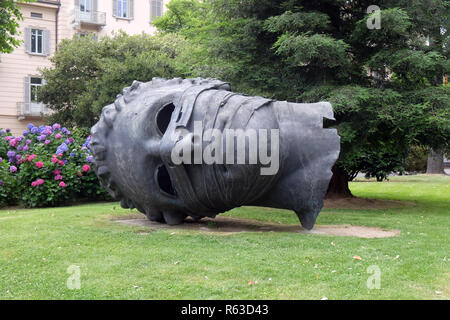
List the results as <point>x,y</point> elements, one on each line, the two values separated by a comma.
<point>151,152</point>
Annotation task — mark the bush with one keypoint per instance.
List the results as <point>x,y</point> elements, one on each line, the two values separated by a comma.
<point>46,166</point>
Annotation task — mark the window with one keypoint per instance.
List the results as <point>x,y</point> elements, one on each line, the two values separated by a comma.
<point>35,85</point>
<point>85,5</point>
<point>36,40</point>
<point>36,15</point>
<point>122,8</point>
<point>156,9</point>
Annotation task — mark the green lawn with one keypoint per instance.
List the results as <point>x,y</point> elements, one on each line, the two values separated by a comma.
<point>117,261</point>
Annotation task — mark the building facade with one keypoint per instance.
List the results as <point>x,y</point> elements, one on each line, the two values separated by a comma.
<point>45,24</point>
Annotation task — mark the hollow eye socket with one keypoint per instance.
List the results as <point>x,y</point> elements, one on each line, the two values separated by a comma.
<point>163,117</point>
<point>164,181</point>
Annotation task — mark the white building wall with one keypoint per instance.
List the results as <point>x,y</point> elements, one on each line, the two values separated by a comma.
<point>19,64</point>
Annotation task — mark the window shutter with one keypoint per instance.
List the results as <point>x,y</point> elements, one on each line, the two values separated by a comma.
<point>131,9</point>
<point>26,91</point>
<point>94,13</point>
<point>114,4</point>
<point>28,40</point>
<point>151,10</point>
<point>47,39</point>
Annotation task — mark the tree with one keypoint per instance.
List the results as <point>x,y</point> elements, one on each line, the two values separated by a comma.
<point>87,75</point>
<point>384,83</point>
<point>10,16</point>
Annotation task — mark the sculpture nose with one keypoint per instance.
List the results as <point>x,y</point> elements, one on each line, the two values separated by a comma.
<point>152,147</point>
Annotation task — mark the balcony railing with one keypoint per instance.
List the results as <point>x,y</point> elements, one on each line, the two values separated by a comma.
<point>93,18</point>
<point>31,109</point>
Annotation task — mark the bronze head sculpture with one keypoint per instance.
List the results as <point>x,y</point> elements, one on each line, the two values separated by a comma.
<point>178,148</point>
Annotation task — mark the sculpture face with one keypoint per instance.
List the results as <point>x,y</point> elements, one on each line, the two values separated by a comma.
<point>151,150</point>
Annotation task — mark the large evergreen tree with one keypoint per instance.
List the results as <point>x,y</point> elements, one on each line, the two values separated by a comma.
<point>384,81</point>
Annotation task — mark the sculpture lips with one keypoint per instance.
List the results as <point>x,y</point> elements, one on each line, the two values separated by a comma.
<point>133,142</point>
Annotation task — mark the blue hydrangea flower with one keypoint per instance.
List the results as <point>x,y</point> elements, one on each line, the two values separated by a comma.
<point>25,133</point>
<point>62,148</point>
<point>35,130</point>
<point>30,126</point>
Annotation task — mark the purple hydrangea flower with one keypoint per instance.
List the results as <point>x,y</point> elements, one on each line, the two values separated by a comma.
<point>28,141</point>
<point>26,148</point>
<point>8,130</point>
<point>56,126</point>
<point>18,157</point>
<point>35,130</point>
<point>25,133</point>
<point>11,154</point>
<point>1,183</point>
<point>2,132</point>
<point>89,158</point>
<point>1,159</point>
<point>41,137</point>
<point>62,148</point>
<point>13,169</point>
<point>19,148</point>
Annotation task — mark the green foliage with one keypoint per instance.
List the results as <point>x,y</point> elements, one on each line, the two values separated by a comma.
<point>87,75</point>
<point>417,159</point>
<point>384,84</point>
<point>10,16</point>
<point>48,166</point>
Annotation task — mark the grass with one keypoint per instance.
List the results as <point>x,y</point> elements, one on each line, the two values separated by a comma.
<point>122,262</point>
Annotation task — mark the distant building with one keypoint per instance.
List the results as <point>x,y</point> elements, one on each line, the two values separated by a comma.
<point>46,23</point>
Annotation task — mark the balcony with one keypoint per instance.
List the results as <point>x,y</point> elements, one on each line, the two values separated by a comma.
<point>31,110</point>
<point>92,19</point>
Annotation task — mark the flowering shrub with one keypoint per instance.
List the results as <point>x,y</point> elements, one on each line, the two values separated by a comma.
<point>46,166</point>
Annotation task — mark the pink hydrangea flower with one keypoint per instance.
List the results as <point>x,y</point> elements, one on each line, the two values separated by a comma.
<point>56,172</point>
<point>55,160</point>
<point>86,168</point>
<point>62,184</point>
<point>39,164</point>
<point>40,181</point>
<point>13,142</point>
<point>47,142</point>
<point>58,136</point>
<point>31,157</point>
<point>34,184</point>
<point>58,177</point>
<point>60,162</point>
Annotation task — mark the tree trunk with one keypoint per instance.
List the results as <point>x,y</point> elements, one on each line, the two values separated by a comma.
<point>338,187</point>
<point>435,163</point>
